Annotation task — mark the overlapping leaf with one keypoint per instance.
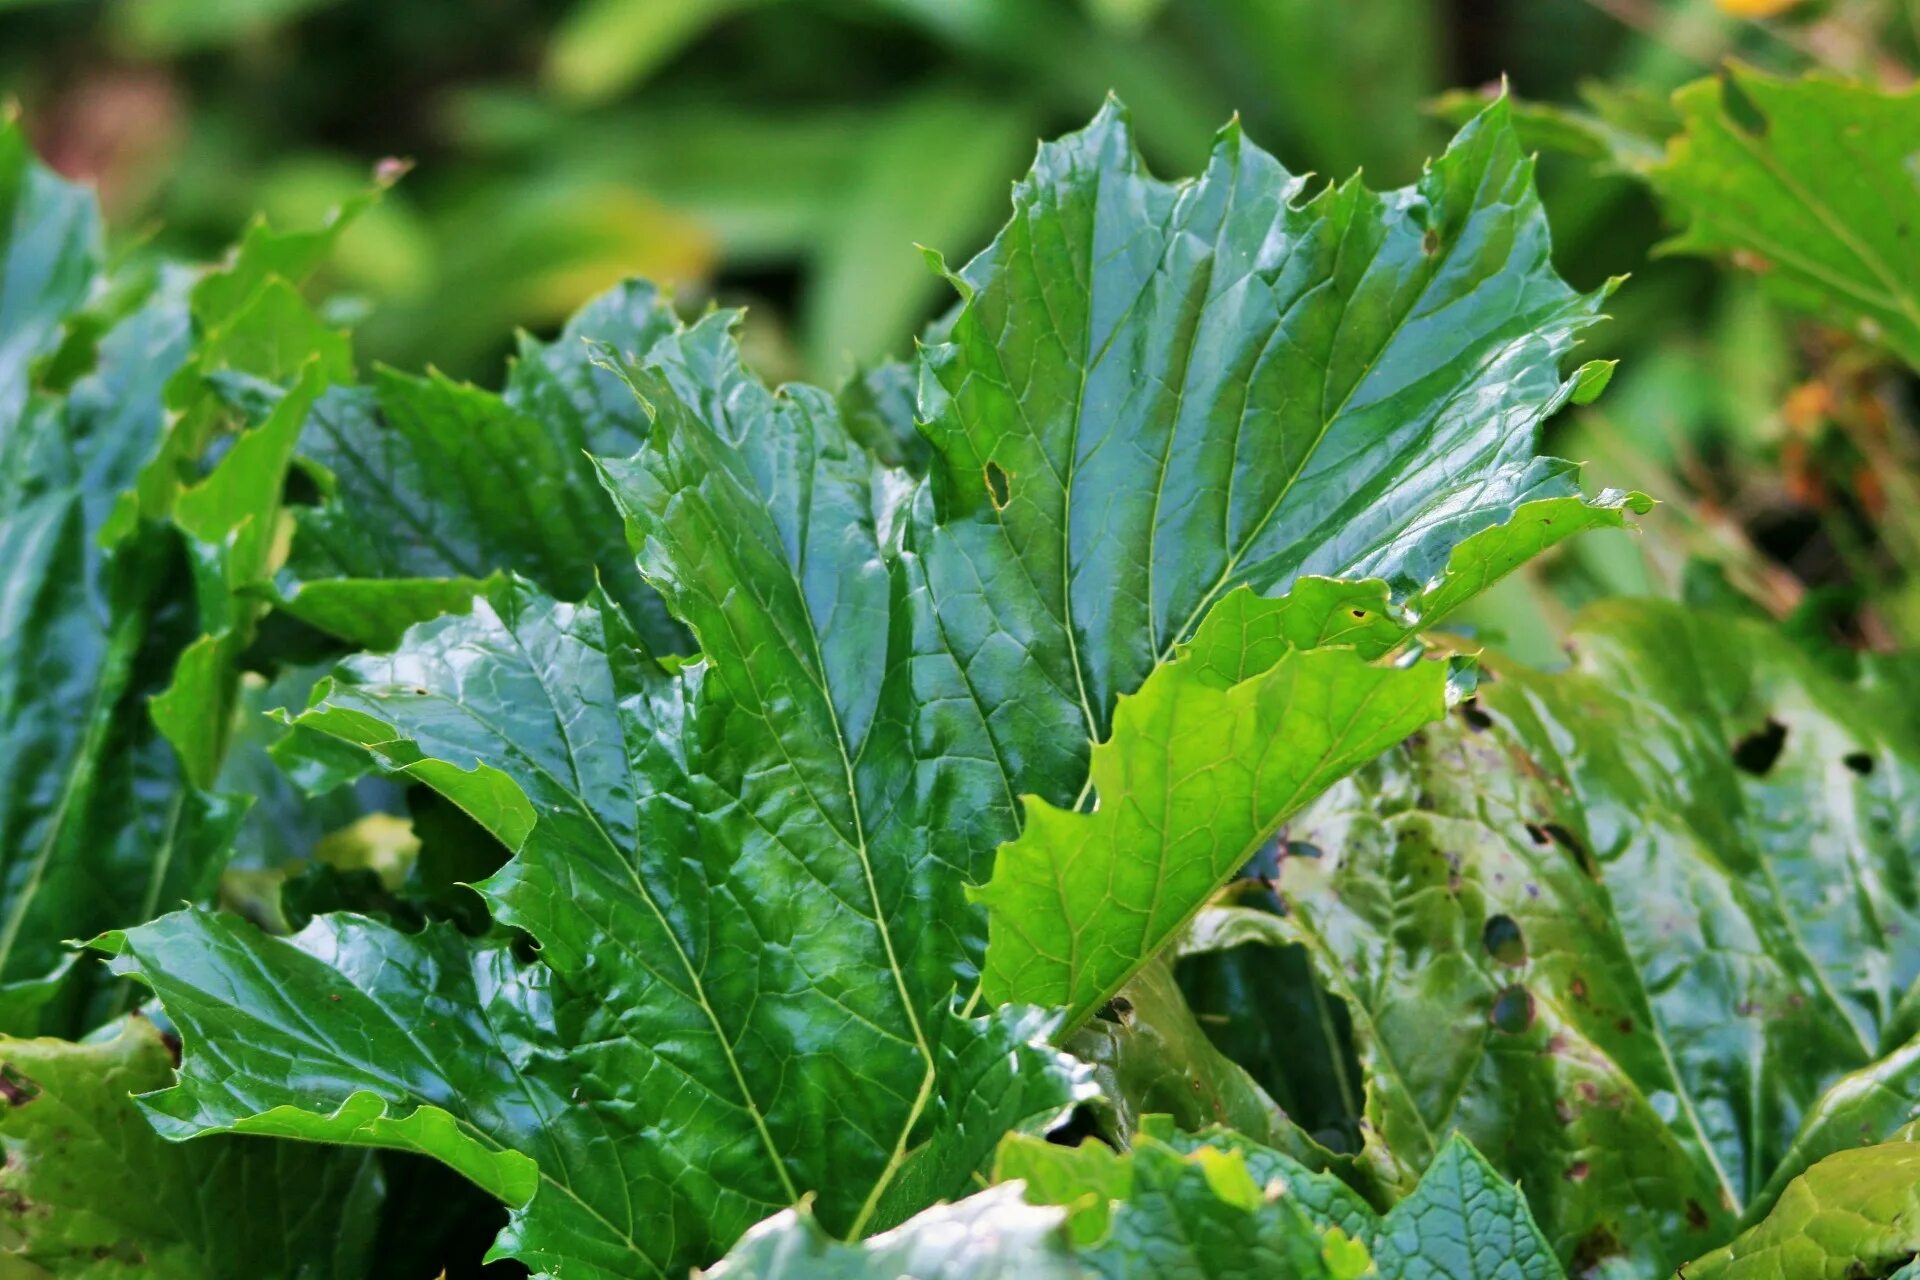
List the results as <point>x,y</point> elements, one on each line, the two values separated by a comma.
<point>1181,1208</point>
<point>429,486</point>
<point>88,1189</point>
<point>1856,1213</point>
<point>96,824</point>
<point>746,873</point>
<point>1626,925</point>
<point>1810,183</point>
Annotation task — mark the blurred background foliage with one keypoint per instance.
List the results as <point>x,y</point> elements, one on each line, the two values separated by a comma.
<point>791,154</point>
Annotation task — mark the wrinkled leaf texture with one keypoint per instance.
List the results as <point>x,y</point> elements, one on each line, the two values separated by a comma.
<point>747,873</point>
<point>1177,1207</point>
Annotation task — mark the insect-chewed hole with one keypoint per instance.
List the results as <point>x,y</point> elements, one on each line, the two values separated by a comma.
<point>1757,751</point>
<point>1503,940</point>
<point>1512,1010</point>
<point>999,485</point>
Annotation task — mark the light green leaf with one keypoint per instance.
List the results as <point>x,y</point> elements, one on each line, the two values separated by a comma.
<point>1201,769</point>
<point>91,1192</point>
<point>1856,1213</point>
<point>1812,183</point>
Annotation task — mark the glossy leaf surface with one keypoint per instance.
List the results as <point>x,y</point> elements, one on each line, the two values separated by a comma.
<point>746,873</point>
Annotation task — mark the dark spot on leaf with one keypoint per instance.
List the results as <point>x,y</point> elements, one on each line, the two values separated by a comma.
<point>1512,1010</point>
<point>1477,720</point>
<point>334,996</point>
<point>1302,849</point>
<point>1696,1215</point>
<point>16,1090</point>
<point>419,691</point>
<point>1579,989</point>
<point>1359,613</point>
<point>1578,1171</point>
<point>172,1042</point>
<point>1858,761</point>
<point>1538,834</point>
<point>1625,1026</point>
<point>1571,843</point>
<point>1599,1245</point>
<point>999,485</point>
<point>1503,940</point>
<point>1430,243</point>
<point>1589,1091</point>
<point>1119,1009</point>
<point>1757,752</point>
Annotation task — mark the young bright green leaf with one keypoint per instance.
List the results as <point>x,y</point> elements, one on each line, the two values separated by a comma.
<point>746,873</point>
<point>1198,774</point>
<point>1626,931</point>
<point>1811,184</point>
<point>1856,1213</point>
<point>90,1191</point>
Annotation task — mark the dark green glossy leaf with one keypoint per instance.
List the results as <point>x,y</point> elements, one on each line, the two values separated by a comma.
<point>97,827</point>
<point>430,486</point>
<point>746,873</point>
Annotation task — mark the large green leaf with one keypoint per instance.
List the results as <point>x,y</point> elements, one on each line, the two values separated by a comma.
<point>430,485</point>
<point>1189,1208</point>
<point>97,825</point>
<point>1810,183</point>
<point>746,873</point>
<point>1624,926</point>
<point>1856,1213</point>
<point>89,1191</point>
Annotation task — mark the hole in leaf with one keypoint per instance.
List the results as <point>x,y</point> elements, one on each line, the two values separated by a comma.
<point>1503,940</point>
<point>1512,1010</point>
<point>1119,1009</point>
<point>1757,752</point>
<point>1858,761</point>
<point>999,485</point>
<point>1571,843</point>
